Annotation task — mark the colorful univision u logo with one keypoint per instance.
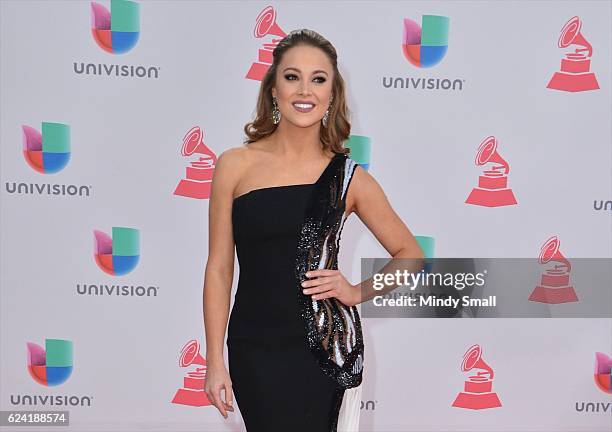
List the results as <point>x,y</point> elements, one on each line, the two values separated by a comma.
<point>426,46</point>
<point>427,245</point>
<point>603,372</point>
<point>118,255</point>
<point>116,31</point>
<point>360,149</point>
<point>51,365</point>
<point>48,152</point>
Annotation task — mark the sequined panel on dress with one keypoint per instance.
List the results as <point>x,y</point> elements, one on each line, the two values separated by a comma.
<point>333,329</point>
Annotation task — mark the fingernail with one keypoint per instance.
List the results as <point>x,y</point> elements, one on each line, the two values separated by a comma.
<point>305,291</point>
<point>308,274</point>
<point>303,283</point>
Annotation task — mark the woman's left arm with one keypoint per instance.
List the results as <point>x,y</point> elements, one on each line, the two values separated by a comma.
<point>366,198</point>
<point>369,202</point>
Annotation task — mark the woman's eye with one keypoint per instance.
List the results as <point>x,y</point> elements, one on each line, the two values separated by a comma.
<point>293,77</point>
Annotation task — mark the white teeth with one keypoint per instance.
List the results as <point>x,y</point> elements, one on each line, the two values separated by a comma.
<point>303,106</point>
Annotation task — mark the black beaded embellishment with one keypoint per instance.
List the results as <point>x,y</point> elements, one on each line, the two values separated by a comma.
<point>333,329</point>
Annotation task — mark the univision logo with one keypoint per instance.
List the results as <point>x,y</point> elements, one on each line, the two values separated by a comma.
<point>116,31</point>
<point>361,149</point>
<point>50,366</point>
<point>602,205</point>
<point>368,405</point>
<point>603,372</point>
<point>603,381</point>
<point>117,255</point>
<point>424,45</point>
<point>46,152</point>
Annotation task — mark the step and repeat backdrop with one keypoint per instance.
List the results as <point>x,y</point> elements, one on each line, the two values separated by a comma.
<point>487,123</point>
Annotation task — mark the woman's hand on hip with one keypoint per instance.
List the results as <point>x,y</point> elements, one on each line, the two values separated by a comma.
<point>331,283</point>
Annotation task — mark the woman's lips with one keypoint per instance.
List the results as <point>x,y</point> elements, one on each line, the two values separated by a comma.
<point>303,107</point>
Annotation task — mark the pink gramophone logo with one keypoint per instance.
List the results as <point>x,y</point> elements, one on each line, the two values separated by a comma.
<point>477,392</point>
<point>492,189</point>
<point>574,75</point>
<point>199,175</point>
<point>265,24</point>
<point>192,393</point>
<point>554,285</point>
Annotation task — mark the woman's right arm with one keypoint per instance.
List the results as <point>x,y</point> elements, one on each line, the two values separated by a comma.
<point>218,277</point>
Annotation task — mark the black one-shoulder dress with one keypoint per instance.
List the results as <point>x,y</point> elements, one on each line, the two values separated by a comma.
<point>276,380</point>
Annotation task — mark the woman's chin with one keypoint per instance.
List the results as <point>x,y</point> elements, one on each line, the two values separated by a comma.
<point>303,123</point>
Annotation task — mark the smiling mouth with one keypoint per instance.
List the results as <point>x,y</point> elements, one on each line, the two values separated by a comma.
<point>303,107</point>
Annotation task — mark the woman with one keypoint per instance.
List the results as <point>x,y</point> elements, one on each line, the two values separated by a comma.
<point>294,338</point>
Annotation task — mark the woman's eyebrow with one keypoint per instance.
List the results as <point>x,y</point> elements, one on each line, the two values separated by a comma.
<point>296,69</point>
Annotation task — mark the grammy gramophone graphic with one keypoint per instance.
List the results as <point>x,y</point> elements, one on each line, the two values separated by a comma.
<point>492,189</point>
<point>555,281</point>
<point>199,174</point>
<point>192,393</point>
<point>574,75</point>
<point>477,392</point>
<point>265,24</point>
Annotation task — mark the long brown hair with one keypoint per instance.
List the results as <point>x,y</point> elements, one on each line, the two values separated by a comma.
<point>338,127</point>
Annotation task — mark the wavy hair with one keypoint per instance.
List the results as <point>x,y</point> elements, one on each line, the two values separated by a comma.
<point>338,127</point>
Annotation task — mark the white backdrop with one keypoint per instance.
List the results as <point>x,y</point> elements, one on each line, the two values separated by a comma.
<point>126,135</point>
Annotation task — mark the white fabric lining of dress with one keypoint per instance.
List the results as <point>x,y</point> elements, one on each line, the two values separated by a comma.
<point>348,417</point>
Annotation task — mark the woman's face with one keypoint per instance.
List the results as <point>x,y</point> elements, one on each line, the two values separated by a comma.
<point>303,85</point>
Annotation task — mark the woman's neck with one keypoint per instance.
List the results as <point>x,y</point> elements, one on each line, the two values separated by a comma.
<point>294,141</point>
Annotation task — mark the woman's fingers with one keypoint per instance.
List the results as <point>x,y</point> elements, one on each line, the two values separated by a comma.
<point>218,381</point>
<point>321,272</point>
<point>229,402</point>
<point>319,289</point>
<point>323,295</point>
<point>329,283</point>
<point>217,402</point>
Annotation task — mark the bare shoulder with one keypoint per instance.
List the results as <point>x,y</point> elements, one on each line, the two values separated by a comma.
<point>241,157</point>
<point>233,157</point>
<point>363,186</point>
<point>231,163</point>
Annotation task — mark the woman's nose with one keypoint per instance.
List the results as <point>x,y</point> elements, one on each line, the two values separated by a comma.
<point>304,88</point>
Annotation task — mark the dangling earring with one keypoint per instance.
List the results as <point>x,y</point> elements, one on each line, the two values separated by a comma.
<point>276,115</point>
<point>326,115</point>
